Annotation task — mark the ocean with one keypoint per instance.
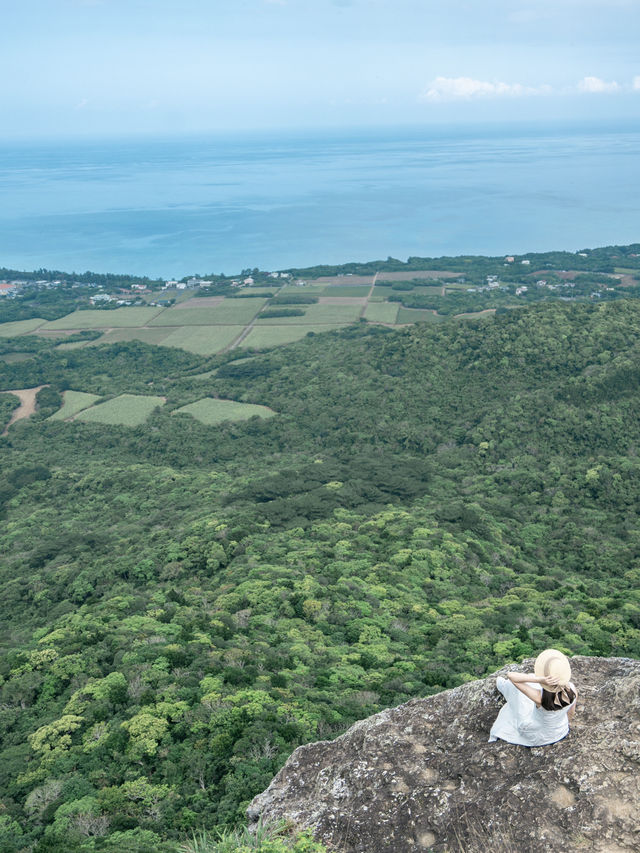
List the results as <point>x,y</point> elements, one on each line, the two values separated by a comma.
<point>178,206</point>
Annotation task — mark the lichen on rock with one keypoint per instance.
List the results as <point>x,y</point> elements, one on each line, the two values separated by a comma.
<point>423,777</point>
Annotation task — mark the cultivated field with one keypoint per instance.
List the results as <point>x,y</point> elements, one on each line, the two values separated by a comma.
<point>201,302</point>
<point>317,315</point>
<point>382,312</point>
<point>203,340</point>
<point>146,335</point>
<point>207,325</point>
<point>344,280</point>
<point>118,318</point>
<point>411,274</point>
<point>306,290</point>
<point>74,345</point>
<point>417,315</point>
<point>20,327</point>
<point>213,411</point>
<point>385,291</point>
<point>125,410</point>
<point>228,312</point>
<point>15,357</point>
<point>74,402</point>
<point>346,291</point>
<point>270,336</point>
<point>342,300</point>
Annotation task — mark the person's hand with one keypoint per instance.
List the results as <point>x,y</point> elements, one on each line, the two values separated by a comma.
<point>552,681</point>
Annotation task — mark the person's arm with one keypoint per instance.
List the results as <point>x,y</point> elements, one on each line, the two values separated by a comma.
<point>520,680</point>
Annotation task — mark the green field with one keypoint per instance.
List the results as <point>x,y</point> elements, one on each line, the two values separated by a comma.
<point>472,315</point>
<point>213,411</point>
<point>15,357</point>
<point>203,340</point>
<point>74,402</point>
<point>20,327</point>
<point>146,335</point>
<point>126,410</point>
<point>258,291</point>
<point>382,290</point>
<point>271,336</point>
<point>118,318</point>
<point>382,312</point>
<point>318,315</point>
<point>229,312</point>
<point>306,290</point>
<point>417,315</point>
<point>346,290</point>
<point>73,345</point>
<point>201,377</point>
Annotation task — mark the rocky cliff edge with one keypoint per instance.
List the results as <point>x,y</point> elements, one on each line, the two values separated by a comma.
<point>423,777</point>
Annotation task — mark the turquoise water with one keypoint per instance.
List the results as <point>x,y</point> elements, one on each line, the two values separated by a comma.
<point>179,206</point>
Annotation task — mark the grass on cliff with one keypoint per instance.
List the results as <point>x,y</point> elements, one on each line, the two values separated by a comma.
<point>265,839</point>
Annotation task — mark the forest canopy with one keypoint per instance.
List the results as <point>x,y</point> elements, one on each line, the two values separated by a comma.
<point>184,604</point>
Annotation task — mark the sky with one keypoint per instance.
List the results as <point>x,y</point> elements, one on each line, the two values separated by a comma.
<point>96,67</point>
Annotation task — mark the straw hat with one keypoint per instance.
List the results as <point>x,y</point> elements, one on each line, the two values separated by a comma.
<point>552,663</point>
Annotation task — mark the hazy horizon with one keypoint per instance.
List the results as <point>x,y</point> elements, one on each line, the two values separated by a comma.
<point>115,67</point>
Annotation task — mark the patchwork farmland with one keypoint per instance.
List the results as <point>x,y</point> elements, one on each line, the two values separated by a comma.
<point>259,317</point>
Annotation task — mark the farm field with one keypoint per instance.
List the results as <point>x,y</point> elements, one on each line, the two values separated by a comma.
<point>271,336</point>
<point>15,357</point>
<point>74,402</point>
<point>339,290</point>
<point>213,411</point>
<point>146,335</point>
<point>382,312</point>
<point>318,315</point>
<point>206,325</point>
<point>203,340</point>
<point>200,302</point>
<point>74,345</point>
<point>20,327</point>
<point>306,290</point>
<point>471,315</point>
<point>118,318</point>
<point>417,315</point>
<point>125,410</point>
<point>345,280</point>
<point>411,274</point>
<point>259,291</point>
<point>386,291</point>
<point>228,312</point>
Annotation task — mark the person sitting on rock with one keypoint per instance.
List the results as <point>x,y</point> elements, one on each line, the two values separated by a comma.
<point>539,704</point>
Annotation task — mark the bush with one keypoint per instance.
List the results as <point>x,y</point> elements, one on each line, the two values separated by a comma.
<point>265,839</point>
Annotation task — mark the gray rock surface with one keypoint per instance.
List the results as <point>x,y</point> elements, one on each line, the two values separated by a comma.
<point>423,776</point>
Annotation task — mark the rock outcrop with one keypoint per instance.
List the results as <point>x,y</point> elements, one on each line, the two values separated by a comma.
<point>423,777</point>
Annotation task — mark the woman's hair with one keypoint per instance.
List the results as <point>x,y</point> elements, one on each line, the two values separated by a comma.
<point>555,701</point>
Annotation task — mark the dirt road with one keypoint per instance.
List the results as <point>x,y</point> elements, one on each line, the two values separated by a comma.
<point>27,405</point>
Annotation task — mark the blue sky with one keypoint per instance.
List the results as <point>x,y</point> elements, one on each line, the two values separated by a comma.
<point>78,67</point>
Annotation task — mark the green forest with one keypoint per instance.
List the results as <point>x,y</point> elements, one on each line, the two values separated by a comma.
<point>184,604</point>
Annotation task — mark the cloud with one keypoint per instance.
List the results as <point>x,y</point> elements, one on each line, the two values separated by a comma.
<point>466,88</point>
<point>595,85</point>
<point>635,85</point>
